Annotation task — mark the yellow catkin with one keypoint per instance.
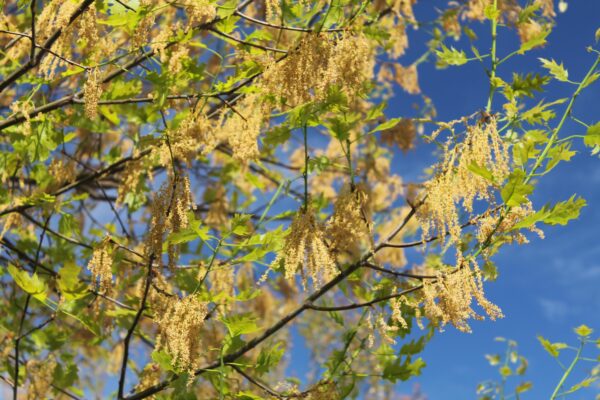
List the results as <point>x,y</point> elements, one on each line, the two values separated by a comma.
<point>100,265</point>
<point>169,212</point>
<point>180,332</point>
<point>385,330</point>
<point>398,37</point>
<point>92,90</point>
<point>349,225</point>
<point>396,306</point>
<point>529,30</point>
<point>305,251</point>
<point>403,135</point>
<point>24,108</point>
<point>319,62</point>
<point>456,183</point>
<point>407,78</point>
<point>54,16</point>
<point>243,125</point>
<point>192,137</point>
<point>144,26</point>
<point>11,220</point>
<point>40,374</point>
<point>475,10</point>
<point>129,179</point>
<point>88,29</point>
<point>62,171</point>
<point>272,9</point>
<point>448,299</point>
<point>547,7</point>
<point>199,11</point>
<point>491,224</point>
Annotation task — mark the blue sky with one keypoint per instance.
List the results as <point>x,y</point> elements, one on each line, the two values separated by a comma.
<point>548,286</point>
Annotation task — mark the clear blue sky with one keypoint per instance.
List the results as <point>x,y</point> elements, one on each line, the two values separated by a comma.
<point>549,286</point>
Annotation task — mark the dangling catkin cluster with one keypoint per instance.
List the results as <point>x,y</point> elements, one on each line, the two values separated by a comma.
<point>242,127</point>
<point>488,225</point>
<point>40,374</point>
<point>169,214</point>
<point>199,11</point>
<point>349,224</point>
<point>403,135</point>
<point>130,179</point>
<point>407,78</point>
<point>180,332</point>
<point>319,62</point>
<point>25,108</point>
<point>305,250</point>
<point>454,293</point>
<point>456,182</point>
<point>88,28</point>
<point>101,265</point>
<point>92,90</point>
<point>192,137</point>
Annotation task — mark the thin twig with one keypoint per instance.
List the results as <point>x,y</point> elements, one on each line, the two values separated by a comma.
<point>22,322</point>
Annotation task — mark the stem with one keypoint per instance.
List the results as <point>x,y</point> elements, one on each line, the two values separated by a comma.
<point>305,173</point>
<point>567,112</point>
<point>349,158</point>
<point>488,107</point>
<point>567,373</point>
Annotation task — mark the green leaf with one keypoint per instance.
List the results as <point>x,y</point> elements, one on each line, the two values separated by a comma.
<point>277,135</point>
<point>490,271</point>
<point>245,395</point>
<point>583,330</point>
<point>558,71</point>
<point>451,56</point>
<point>536,41</point>
<point>403,371</point>
<point>491,12</point>
<point>552,348</point>
<point>583,384</point>
<point>592,136</point>
<point>493,359</point>
<point>163,359</point>
<point>31,284</point>
<point>269,357</point>
<point>523,387</point>
<point>390,123</point>
<point>241,324</point>
<point>560,214</point>
<point>515,191</point>
<point>69,284</point>
<point>481,171</point>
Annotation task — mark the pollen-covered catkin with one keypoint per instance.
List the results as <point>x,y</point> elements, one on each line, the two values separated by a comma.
<point>448,299</point>
<point>40,374</point>
<point>169,214</point>
<point>180,332</point>
<point>457,183</point>
<point>319,62</point>
<point>243,125</point>
<point>305,250</point>
<point>349,225</point>
<point>100,265</point>
<point>92,90</point>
